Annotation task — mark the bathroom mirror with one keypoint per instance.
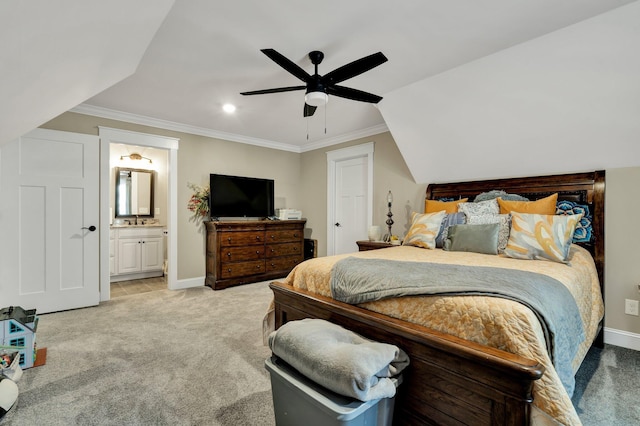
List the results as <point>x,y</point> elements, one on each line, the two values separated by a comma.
<point>134,192</point>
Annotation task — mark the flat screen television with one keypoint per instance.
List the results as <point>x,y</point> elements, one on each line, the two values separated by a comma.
<point>239,196</point>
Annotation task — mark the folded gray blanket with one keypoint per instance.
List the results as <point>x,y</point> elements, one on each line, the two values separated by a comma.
<point>339,359</point>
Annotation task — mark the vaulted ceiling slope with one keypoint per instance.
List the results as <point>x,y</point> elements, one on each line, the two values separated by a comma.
<point>460,74</point>
<point>564,102</point>
<point>56,54</point>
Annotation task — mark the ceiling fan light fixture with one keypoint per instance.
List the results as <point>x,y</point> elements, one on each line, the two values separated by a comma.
<point>316,98</point>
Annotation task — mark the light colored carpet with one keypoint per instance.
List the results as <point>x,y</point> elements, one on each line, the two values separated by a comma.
<point>195,357</point>
<point>188,357</point>
<point>608,387</point>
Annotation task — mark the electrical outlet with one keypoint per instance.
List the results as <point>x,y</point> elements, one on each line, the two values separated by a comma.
<point>631,307</point>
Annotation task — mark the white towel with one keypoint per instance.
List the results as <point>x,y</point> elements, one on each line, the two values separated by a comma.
<point>339,359</point>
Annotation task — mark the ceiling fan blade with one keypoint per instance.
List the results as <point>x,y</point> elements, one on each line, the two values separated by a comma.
<point>275,90</point>
<point>354,68</point>
<point>309,110</point>
<point>287,64</point>
<point>353,94</point>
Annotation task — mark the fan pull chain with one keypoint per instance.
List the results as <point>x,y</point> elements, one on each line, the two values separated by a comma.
<point>325,118</point>
<point>307,120</point>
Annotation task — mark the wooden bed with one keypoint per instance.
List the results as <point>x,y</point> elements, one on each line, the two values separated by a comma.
<point>452,381</point>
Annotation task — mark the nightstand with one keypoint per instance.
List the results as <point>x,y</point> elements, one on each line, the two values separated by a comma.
<point>372,245</point>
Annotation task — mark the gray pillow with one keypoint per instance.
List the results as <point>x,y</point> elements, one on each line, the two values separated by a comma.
<point>504,220</point>
<point>495,193</point>
<point>449,220</point>
<point>474,238</point>
<point>482,207</point>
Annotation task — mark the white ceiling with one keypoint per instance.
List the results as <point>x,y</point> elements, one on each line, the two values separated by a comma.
<point>206,52</point>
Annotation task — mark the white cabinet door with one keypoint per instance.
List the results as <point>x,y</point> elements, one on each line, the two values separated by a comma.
<point>129,260</point>
<point>152,254</point>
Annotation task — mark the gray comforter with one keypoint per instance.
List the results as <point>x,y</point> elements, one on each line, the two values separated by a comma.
<point>355,280</point>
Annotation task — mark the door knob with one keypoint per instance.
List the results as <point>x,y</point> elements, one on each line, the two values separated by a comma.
<point>91,228</point>
<point>338,224</point>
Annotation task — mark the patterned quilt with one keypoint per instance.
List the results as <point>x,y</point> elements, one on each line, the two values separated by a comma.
<point>495,322</point>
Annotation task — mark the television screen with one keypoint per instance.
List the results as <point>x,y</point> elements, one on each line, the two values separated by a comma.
<point>237,196</point>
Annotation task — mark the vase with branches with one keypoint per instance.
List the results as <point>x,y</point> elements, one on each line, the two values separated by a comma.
<point>199,202</point>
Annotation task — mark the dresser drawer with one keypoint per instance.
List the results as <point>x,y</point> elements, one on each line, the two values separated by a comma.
<point>284,249</point>
<point>235,254</point>
<point>241,269</point>
<point>285,263</point>
<point>284,235</point>
<point>241,238</point>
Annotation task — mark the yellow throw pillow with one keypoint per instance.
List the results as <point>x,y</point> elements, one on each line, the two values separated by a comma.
<point>536,236</point>
<point>434,206</point>
<point>545,205</point>
<point>424,229</point>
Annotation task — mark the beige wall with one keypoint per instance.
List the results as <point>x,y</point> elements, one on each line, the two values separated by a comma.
<point>301,183</point>
<point>622,256</point>
<point>198,156</point>
<point>390,173</point>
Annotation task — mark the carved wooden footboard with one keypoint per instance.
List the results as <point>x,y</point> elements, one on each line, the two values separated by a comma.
<point>450,381</point>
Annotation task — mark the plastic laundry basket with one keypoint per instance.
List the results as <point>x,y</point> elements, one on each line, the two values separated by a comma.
<point>300,401</point>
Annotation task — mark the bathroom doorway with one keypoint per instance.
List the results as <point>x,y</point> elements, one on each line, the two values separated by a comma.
<point>156,225</point>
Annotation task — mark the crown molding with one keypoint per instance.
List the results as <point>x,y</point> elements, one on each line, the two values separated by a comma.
<point>111,114</point>
<point>345,137</point>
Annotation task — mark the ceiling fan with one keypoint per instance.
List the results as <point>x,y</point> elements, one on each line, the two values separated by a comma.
<point>319,87</point>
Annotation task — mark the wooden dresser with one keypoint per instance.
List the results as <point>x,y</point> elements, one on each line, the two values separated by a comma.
<point>242,252</point>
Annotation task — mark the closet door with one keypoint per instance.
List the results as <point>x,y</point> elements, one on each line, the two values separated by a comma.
<point>49,221</point>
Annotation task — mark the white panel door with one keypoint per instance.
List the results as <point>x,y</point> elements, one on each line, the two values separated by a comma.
<point>351,204</point>
<point>49,221</point>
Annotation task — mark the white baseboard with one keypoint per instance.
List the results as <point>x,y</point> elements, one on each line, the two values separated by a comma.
<point>622,338</point>
<point>188,283</point>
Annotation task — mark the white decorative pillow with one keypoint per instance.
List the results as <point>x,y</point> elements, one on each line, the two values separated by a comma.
<point>424,229</point>
<point>480,208</point>
<point>538,236</point>
<point>504,220</point>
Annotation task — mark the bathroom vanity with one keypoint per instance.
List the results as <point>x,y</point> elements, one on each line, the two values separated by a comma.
<point>135,251</point>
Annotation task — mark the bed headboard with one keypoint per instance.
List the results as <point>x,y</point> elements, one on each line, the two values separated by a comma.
<point>585,188</point>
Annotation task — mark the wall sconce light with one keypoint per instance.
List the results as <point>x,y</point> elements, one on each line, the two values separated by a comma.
<point>135,156</point>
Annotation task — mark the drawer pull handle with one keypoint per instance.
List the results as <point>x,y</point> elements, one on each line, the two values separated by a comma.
<point>229,254</point>
<point>257,237</point>
<point>273,265</point>
<point>229,239</point>
<point>295,249</point>
<point>257,266</point>
<point>295,235</point>
<point>273,237</point>
<point>257,251</point>
<point>229,270</point>
<point>273,251</point>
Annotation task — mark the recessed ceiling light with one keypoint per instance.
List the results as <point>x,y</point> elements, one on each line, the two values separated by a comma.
<point>229,108</point>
